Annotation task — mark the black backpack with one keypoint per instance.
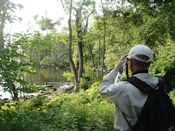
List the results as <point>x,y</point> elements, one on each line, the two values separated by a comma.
<point>158,112</point>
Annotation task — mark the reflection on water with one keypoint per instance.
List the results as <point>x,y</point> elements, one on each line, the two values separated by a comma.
<point>3,94</point>
<point>42,76</point>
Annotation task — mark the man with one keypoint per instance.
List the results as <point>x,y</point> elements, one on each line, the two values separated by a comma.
<point>128,99</point>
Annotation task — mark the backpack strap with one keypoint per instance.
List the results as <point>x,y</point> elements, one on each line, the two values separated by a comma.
<point>162,85</point>
<point>142,86</point>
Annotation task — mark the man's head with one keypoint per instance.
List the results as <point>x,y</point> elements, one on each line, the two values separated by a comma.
<point>140,58</point>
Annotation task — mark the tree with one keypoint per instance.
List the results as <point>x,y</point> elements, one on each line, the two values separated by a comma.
<point>12,69</point>
<point>45,50</point>
<point>7,8</point>
<point>46,24</point>
<point>104,36</point>
<point>82,14</point>
<point>82,9</point>
<point>70,48</point>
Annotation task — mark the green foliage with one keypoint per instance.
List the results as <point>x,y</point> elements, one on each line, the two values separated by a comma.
<point>89,77</point>
<point>7,9</point>
<point>172,96</point>
<point>85,82</point>
<point>165,63</point>
<point>84,111</point>
<point>134,24</point>
<point>80,111</point>
<point>46,50</point>
<point>46,24</point>
<point>68,75</point>
<point>12,69</point>
<point>38,102</point>
<point>165,58</point>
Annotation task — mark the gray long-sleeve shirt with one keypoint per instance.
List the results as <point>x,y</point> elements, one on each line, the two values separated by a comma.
<point>127,98</point>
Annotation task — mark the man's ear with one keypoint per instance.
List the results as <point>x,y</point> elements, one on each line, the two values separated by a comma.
<point>130,65</point>
<point>129,62</point>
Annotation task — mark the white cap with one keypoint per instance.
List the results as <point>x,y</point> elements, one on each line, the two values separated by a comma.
<point>141,53</point>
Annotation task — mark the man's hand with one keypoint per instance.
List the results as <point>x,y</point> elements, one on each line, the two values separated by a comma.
<point>122,60</point>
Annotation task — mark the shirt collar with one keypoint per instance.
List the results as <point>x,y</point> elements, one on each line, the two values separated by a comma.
<point>134,73</point>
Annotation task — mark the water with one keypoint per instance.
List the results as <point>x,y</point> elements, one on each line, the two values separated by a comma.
<point>3,94</point>
<point>40,77</point>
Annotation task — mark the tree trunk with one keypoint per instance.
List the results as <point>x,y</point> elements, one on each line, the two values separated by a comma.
<point>2,23</point>
<point>72,65</point>
<point>104,47</point>
<point>99,66</point>
<point>92,57</point>
<point>80,55</point>
<point>79,45</point>
<point>104,39</point>
<point>15,92</point>
<point>99,57</point>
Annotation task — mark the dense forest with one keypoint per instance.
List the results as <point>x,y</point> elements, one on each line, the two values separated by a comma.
<point>86,49</point>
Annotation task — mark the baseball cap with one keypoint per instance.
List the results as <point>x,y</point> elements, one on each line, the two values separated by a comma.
<point>141,53</point>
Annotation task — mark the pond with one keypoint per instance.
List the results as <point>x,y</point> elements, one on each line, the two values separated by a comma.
<point>40,77</point>
<point>3,94</point>
<point>43,75</point>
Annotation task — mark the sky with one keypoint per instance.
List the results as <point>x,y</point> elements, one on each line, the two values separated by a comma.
<point>50,8</point>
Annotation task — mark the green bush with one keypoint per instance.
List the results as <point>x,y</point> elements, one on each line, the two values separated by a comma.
<point>89,77</point>
<point>83,111</point>
<point>68,75</point>
<point>164,65</point>
<point>85,82</point>
<point>172,95</point>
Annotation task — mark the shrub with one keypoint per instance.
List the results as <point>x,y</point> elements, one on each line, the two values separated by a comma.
<point>85,110</point>
<point>165,63</point>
